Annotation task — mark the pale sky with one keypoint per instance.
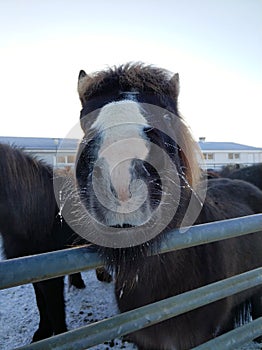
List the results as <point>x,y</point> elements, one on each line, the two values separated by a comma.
<point>215,46</point>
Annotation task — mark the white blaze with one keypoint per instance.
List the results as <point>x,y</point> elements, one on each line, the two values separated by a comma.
<point>121,124</point>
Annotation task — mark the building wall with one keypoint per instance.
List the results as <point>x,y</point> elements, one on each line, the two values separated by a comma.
<point>222,158</point>
<point>61,160</point>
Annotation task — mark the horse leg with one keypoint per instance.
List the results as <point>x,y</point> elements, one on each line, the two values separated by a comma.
<point>76,280</point>
<point>103,275</point>
<point>50,301</point>
<point>45,329</point>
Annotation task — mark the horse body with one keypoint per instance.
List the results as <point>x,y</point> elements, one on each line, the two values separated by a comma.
<point>154,278</point>
<point>251,174</point>
<point>122,187</point>
<point>29,224</point>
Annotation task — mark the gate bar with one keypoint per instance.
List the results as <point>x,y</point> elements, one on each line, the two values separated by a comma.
<point>48,265</point>
<point>44,266</point>
<point>235,338</point>
<point>128,322</point>
<point>186,237</point>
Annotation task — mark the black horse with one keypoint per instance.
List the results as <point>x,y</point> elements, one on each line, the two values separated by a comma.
<point>138,177</point>
<point>251,174</point>
<point>30,224</point>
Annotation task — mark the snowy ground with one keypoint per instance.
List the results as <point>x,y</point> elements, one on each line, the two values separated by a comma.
<point>19,315</point>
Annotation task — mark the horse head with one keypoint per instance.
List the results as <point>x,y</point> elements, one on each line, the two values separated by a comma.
<point>136,154</point>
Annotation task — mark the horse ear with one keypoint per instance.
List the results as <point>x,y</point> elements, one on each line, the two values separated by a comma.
<point>81,86</point>
<point>174,81</point>
<point>81,74</point>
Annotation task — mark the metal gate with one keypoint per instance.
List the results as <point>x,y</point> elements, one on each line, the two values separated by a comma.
<point>44,266</point>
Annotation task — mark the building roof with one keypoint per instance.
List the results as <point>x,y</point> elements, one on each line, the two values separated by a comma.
<point>40,143</point>
<point>52,144</point>
<point>226,146</point>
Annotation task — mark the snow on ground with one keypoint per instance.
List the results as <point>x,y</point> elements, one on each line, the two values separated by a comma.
<point>19,314</point>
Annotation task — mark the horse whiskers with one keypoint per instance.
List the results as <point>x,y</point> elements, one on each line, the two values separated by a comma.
<point>147,172</point>
<point>192,189</point>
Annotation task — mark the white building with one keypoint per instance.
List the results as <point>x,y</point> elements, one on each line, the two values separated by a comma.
<point>219,154</point>
<point>60,153</point>
<point>56,152</point>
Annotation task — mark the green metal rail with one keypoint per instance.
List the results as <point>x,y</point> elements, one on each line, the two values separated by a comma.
<point>44,266</point>
<point>48,265</point>
<point>97,333</point>
<point>234,339</point>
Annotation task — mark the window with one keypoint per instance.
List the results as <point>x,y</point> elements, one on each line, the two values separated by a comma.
<point>208,156</point>
<point>233,156</point>
<point>61,159</point>
<point>71,159</point>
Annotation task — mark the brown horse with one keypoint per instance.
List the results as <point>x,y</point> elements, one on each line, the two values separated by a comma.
<point>137,175</point>
<point>30,224</point>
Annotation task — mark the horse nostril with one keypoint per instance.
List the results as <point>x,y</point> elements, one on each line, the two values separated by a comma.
<point>123,226</point>
<point>113,191</point>
<point>127,226</point>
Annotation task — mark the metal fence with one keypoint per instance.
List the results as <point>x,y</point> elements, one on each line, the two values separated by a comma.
<point>44,266</point>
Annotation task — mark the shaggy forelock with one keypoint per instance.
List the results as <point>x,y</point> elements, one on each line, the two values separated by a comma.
<point>128,77</point>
